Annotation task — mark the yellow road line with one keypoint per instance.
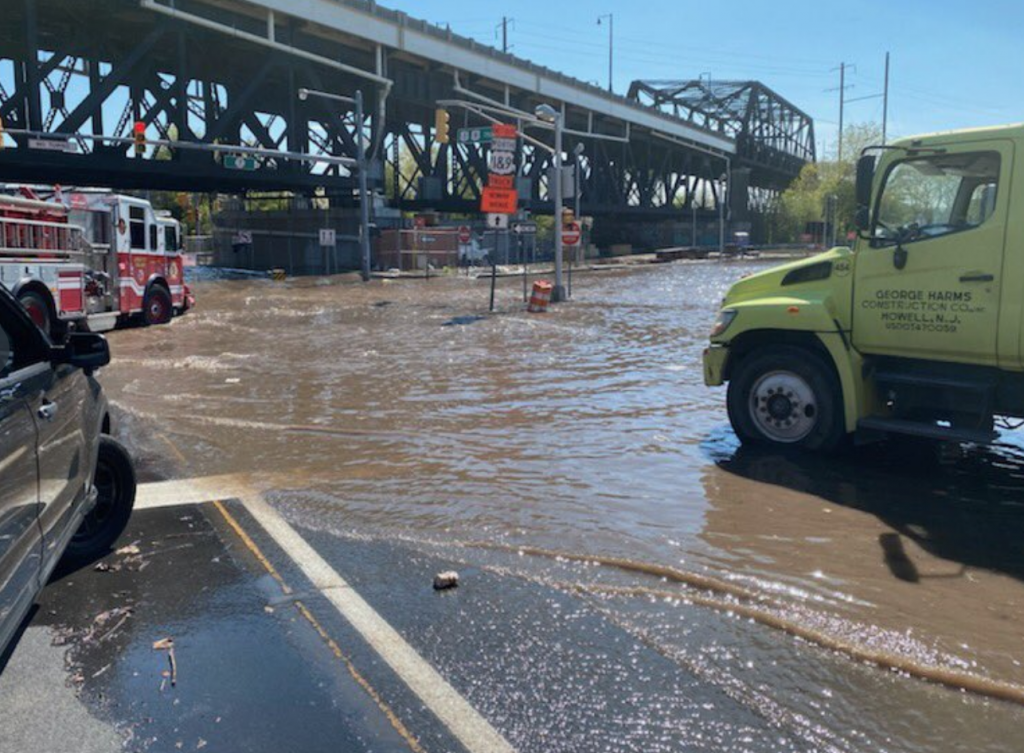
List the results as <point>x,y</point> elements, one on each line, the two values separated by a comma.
<point>251,545</point>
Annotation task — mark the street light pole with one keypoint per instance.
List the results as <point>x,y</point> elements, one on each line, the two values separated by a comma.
<point>558,294</point>
<point>722,192</point>
<point>364,195</point>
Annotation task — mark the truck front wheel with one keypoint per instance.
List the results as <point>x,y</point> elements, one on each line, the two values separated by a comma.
<point>156,306</point>
<point>786,396</point>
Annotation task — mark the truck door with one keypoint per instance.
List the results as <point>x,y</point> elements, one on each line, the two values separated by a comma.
<point>22,365</point>
<point>928,283</point>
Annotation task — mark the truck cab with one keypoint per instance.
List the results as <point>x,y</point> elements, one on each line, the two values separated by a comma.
<point>916,329</point>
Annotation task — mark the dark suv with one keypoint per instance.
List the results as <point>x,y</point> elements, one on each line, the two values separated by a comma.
<point>66,488</point>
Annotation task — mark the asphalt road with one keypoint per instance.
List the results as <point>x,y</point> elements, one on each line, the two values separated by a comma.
<point>266,657</point>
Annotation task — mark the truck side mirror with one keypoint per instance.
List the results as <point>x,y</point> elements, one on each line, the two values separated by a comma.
<point>865,177</point>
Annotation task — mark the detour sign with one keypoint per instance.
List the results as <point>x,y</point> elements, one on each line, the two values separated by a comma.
<point>499,200</point>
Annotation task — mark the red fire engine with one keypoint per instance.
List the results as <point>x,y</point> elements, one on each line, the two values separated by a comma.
<point>91,260</point>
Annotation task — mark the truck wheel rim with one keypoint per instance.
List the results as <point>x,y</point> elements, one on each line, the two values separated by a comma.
<point>156,310</point>
<point>783,406</point>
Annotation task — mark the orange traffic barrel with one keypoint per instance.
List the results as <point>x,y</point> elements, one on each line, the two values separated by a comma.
<point>541,297</point>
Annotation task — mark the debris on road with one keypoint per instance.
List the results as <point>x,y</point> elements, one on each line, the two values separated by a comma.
<point>129,549</point>
<point>446,580</point>
<point>167,644</point>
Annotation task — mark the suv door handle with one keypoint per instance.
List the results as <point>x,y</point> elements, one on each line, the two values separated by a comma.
<point>47,410</point>
<point>977,278</point>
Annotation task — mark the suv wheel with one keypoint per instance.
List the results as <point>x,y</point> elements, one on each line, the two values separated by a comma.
<point>115,486</point>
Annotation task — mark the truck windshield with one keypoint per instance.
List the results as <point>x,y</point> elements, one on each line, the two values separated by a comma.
<point>925,197</point>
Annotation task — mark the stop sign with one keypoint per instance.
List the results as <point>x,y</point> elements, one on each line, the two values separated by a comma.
<point>571,234</point>
<point>465,234</point>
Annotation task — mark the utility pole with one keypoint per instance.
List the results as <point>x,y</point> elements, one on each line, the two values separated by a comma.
<point>842,103</point>
<point>505,20</point>
<point>611,44</point>
<point>361,166</point>
<point>885,102</point>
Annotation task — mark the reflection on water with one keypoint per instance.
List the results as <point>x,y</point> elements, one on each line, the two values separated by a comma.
<point>403,411</point>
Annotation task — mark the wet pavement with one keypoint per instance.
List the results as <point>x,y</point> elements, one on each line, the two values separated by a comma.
<point>632,579</point>
<point>249,674</point>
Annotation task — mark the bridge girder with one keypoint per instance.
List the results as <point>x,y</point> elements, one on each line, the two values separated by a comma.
<point>94,67</point>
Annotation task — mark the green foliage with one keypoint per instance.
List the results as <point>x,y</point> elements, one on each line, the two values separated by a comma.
<point>805,199</point>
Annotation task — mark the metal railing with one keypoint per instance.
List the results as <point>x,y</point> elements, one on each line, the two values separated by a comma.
<point>23,237</point>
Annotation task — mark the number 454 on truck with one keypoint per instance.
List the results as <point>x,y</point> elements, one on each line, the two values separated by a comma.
<point>918,329</point>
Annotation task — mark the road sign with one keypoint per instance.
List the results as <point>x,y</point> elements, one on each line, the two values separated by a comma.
<point>51,145</point>
<point>501,181</point>
<point>240,162</point>
<point>328,237</point>
<point>503,144</point>
<point>465,234</point>
<point>499,200</point>
<point>474,135</point>
<point>502,162</point>
<point>504,131</point>
<point>571,234</point>
<point>497,221</point>
<point>524,228</point>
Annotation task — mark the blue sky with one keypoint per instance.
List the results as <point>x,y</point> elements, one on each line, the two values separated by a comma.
<point>954,64</point>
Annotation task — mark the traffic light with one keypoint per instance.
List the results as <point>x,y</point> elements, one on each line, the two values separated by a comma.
<point>139,134</point>
<point>441,125</point>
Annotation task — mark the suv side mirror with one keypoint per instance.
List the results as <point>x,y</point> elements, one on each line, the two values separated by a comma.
<point>83,350</point>
<point>865,177</point>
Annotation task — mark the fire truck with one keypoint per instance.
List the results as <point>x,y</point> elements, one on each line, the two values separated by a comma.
<point>90,260</point>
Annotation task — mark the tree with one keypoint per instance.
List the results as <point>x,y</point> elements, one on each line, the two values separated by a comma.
<point>805,200</point>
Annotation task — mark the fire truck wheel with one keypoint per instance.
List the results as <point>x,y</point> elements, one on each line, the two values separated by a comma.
<point>37,307</point>
<point>157,306</point>
<point>115,497</point>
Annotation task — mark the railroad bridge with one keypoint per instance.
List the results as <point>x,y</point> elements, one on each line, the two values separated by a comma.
<point>229,72</point>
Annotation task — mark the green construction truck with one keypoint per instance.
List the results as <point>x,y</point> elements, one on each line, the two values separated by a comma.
<point>916,330</point>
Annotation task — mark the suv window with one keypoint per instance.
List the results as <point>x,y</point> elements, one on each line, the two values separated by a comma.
<point>925,197</point>
<point>19,346</point>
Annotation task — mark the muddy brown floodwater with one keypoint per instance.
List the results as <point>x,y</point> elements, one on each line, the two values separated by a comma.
<point>402,412</point>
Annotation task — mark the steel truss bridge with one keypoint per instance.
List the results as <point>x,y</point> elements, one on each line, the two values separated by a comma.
<point>774,138</point>
<point>229,72</point>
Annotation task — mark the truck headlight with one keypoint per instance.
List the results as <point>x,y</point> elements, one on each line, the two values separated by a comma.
<point>725,317</point>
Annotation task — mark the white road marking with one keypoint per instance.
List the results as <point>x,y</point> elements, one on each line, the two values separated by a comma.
<point>464,721</point>
<point>192,491</point>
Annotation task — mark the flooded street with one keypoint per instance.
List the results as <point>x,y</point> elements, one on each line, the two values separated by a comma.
<point>655,586</point>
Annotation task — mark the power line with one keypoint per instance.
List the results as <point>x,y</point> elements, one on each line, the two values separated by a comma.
<point>646,44</point>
